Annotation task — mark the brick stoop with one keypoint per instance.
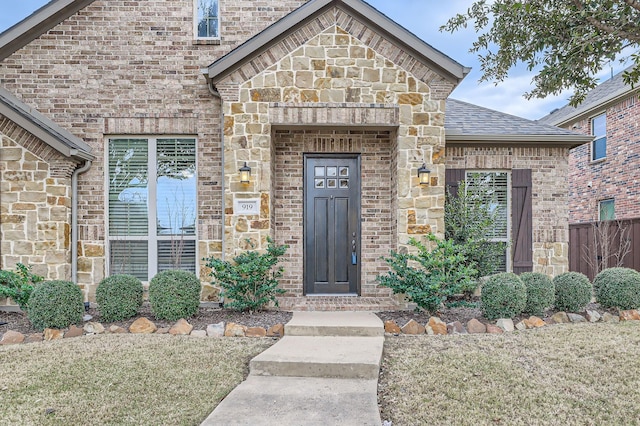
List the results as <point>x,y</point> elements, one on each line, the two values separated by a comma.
<point>339,303</point>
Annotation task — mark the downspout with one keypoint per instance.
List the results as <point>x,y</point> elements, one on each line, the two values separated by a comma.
<point>74,219</point>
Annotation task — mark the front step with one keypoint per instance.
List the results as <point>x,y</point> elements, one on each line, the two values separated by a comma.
<point>321,356</point>
<point>361,324</point>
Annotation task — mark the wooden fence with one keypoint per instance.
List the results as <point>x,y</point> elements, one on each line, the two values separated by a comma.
<point>586,245</point>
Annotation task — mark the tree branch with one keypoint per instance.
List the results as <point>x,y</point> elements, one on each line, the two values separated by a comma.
<point>633,3</point>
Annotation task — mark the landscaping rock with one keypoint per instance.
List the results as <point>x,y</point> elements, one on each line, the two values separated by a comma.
<point>391,327</point>
<point>413,327</point>
<point>117,329</point>
<point>255,332</point>
<point>630,315</point>
<point>235,330</point>
<point>142,326</point>
<point>199,333</point>
<point>163,330</point>
<point>429,330</point>
<point>53,334</point>
<point>607,317</point>
<point>94,328</point>
<point>87,317</point>
<point>73,332</point>
<point>437,325</point>
<point>182,328</point>
<point>276,330</point>
<point>215,330</point>
<point>456,327</point>
<point>521,326</point>
<point>593,316</point>
<point>12,338</point>
<point>494,329</point>
<point>534,322</point>
<point>476,327</point>
<point>34,338</point>
<point>560,318</point>
<point>506,324</point>
<point>576,317</point>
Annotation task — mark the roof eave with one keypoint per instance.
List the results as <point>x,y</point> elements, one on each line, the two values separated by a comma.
<point>592,110</point>
<point>568,141</point>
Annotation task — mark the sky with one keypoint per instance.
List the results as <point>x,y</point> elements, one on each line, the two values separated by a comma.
<point>423,18</point>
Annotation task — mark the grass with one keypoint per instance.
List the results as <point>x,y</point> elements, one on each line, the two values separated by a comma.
<point>578,374</point>
<point>121,379</point>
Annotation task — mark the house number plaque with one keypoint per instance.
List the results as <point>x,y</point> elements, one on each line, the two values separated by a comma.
<point>246,206</point>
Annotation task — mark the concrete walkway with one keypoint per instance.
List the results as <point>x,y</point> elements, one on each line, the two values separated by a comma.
<point>323,372</point>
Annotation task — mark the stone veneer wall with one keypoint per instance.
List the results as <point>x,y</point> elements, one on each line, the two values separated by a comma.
<point>550,190</point>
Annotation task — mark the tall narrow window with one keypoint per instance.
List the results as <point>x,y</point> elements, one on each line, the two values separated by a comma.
<point>607,210</point>
<point>207,21</point>
<point>599,131</point>
<point>152,205</point>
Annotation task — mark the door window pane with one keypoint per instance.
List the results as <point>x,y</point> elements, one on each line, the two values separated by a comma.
<point>129,257</point>
<point>177,254</point>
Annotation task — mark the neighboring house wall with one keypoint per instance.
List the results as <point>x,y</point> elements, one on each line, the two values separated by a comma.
<point>618,176</point>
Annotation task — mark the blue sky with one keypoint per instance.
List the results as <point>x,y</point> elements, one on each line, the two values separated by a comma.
<point>423,18</point>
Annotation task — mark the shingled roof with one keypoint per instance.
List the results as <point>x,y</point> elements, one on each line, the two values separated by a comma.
<point>468,123</point>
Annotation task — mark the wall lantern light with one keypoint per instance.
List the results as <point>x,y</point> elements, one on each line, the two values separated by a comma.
<point>245,173</point>
<point>423,174</point>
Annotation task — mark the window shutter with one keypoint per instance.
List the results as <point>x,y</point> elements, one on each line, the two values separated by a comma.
<point>522,225</point>
<point>452,178</point>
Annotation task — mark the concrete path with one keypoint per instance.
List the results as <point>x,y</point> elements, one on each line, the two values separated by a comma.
<point>323,372</point>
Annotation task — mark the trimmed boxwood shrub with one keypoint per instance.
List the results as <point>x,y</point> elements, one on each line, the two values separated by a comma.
<point>503,296</point>
<point>541,293</point>
<point>174,294</point>
<point>573,291</point>
<point>55,304</point>
<point>618,288</point>
<point>119,297</point>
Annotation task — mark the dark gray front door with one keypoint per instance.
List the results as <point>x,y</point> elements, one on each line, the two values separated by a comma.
<point>331,224</point>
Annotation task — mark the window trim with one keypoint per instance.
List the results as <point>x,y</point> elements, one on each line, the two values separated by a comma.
<point>598,138</point>
<point>600,203</point>
<point>196,36</point>
<point>152,241</point>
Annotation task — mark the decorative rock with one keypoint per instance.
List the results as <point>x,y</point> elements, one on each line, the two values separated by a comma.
<point>391,327</point>
<point>116,329</point>
<point>476,327</point>
<point>256,332</point>
<point>74,332</point>
<point>142,326</point>
<point>94,328</point>
<point>53,334</point>
<point>12,338</point>
<point>412,327</point>
<point>429,330</point>
<point>437,325</point>
<point>494,329</point>
<point>34,338</point>
<point>560,318</point>
<point>607,317</point>
<point>234,330</point>
<point>162,330</point>
<point>456,327</point>
<point>534,322</point>
<point>87,317</point>
<point>215,330</point>
<point>506,324</point>
<point>521,326</point>
<point>276,330</point>
<point>199,333</point>
<point>630,315</point>
<point>182,327</point>
<point>576,318</point>
<point>593,316</point>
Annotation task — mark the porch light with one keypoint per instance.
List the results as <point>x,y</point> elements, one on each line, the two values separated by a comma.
<point>245,173</point>
<point>423,174</point>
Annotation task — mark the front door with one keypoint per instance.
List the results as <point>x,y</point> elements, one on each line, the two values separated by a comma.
<point>331,224</point>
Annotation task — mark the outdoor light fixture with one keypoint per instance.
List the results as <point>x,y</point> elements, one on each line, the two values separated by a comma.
<point>245,173</point>
<point>423,174</point>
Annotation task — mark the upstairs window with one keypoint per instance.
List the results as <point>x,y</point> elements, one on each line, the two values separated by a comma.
<point>207,22</point>
<point>607,210</point>
<point>599,131</point>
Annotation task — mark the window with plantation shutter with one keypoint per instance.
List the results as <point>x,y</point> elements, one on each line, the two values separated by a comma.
<point>152,205</point>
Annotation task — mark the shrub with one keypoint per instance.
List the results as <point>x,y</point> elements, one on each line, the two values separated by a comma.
<point>18,285</point>
<point>251,281</point>
<point>503,296</point>
<point>541,293</point>
<point>573,291</point>
<point>55,304</point>
<point>618,288</point>
<point>119,297</point>
<point>430,276</point>
<point>174,294</point>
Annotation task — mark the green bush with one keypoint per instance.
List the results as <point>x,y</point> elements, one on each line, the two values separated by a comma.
<point>430,276</point>
<point>541,293</point>
<point>503,296</point>
<point>55,304</point>
<point>18,285</point>
<point>174,294</point>
<point>119,297</point>
<point>573,291</point>
<point>251,281</point>
<point>618,288</point>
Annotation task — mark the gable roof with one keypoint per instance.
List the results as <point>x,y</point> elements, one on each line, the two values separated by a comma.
<point>611,91</point>
<point>376,20</point>
<point>38,23</point>
<point>468,123</point>
<point>42,127</point>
